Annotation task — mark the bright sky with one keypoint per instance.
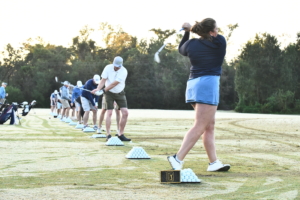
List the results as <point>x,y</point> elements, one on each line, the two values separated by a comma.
<point>57,21</point>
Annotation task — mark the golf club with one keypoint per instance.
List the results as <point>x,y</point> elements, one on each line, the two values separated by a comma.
<point>98,93</point>
<point>156,55</point>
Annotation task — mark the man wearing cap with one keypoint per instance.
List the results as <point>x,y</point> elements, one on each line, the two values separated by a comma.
<point>114,77</point>
<point>89,101</point>
<point>3,93</point>
<point>53,101</point>
<point>77,93</point>
<point>65,101</point>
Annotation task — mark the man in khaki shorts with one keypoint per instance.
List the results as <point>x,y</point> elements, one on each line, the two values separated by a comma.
<point>65,101</point>
<point>114,77</point>
<point>102,114</point>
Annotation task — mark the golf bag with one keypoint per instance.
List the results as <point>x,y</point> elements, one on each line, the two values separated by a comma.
<point>9,113</point>
<point>27,107</point>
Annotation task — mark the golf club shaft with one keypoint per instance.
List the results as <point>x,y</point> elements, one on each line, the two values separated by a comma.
<point>74,86</point>
<point>161,48</point>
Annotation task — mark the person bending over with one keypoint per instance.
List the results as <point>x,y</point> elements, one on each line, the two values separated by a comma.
<point>65,101</point>
<point>89,101</point>
<point>77,93</point>
<point>53,102</point>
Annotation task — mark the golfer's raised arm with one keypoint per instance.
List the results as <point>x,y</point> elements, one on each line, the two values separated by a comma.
<point>183,44</point>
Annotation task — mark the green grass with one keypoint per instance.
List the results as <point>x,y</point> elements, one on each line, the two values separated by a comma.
<point>53,154</point>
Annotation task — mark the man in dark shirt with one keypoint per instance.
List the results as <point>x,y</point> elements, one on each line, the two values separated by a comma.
<point>89,101</point>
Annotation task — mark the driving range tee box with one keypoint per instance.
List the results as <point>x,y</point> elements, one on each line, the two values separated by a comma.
<point>179,176</point>
<point>98,136</point>
<point>137,153</point>
<point>68,120</point>
<point>73,123</point>
<point>88,129</point>
<point>79,126</point>
<point>114,141</point>
<point>188,176</point>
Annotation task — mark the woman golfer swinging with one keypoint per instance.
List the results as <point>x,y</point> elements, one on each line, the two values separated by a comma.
<point>206,55</point>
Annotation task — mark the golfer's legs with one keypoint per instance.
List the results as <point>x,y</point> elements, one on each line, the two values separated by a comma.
<point>208,139</point>
<point>78,116</point>
<point>67,112</point>
<point>94,117</point>
<point>204,115</point>
<point>108,120</point>
<point>123,120</point>
<point>63,112</point>
<point>118,118</point>
<point>86,117</point>
<point>102,114</point>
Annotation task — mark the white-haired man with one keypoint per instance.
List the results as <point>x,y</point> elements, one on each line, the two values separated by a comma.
<point>114,77</point>
<point>89,101</point>
<point>3,93</point>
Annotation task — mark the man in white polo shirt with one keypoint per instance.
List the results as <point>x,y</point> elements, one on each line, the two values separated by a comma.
<point>114,77</point>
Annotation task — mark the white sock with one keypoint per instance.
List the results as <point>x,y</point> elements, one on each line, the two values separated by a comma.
<point>213,162</point>
<point>177,159</point>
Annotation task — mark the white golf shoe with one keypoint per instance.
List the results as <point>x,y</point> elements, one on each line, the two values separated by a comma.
<point>176,165</point>
<point>63,119</point>
<point>99,131</point>
<point>217,166</point>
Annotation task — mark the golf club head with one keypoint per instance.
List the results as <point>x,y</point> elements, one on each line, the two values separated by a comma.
<point>33,103</point>
<point>156,57</point>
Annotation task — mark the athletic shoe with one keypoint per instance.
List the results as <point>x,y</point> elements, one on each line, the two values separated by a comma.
<point>99,130</point>
<point>59,117</point>
<point>108,137</point>
<point>85,127</point>
<point>218,166</point>
<point>95,128</point>
<point>123,138</point>
<point>63,119</point>
<point>176,165</point>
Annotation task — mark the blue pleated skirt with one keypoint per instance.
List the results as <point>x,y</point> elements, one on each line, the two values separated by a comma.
<point>204,89</point>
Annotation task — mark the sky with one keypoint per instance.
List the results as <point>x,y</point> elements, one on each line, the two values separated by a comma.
<point>58,21</point>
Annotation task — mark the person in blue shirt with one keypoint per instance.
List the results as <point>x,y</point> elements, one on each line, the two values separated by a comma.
<point>53,102</point>
<point>89,101</point>
<point>77,93</point>
<point>206,55</point>
<point>3,93</point>
<point>65,101</point>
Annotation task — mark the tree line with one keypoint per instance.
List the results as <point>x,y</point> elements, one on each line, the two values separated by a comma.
<point>263,78</point>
